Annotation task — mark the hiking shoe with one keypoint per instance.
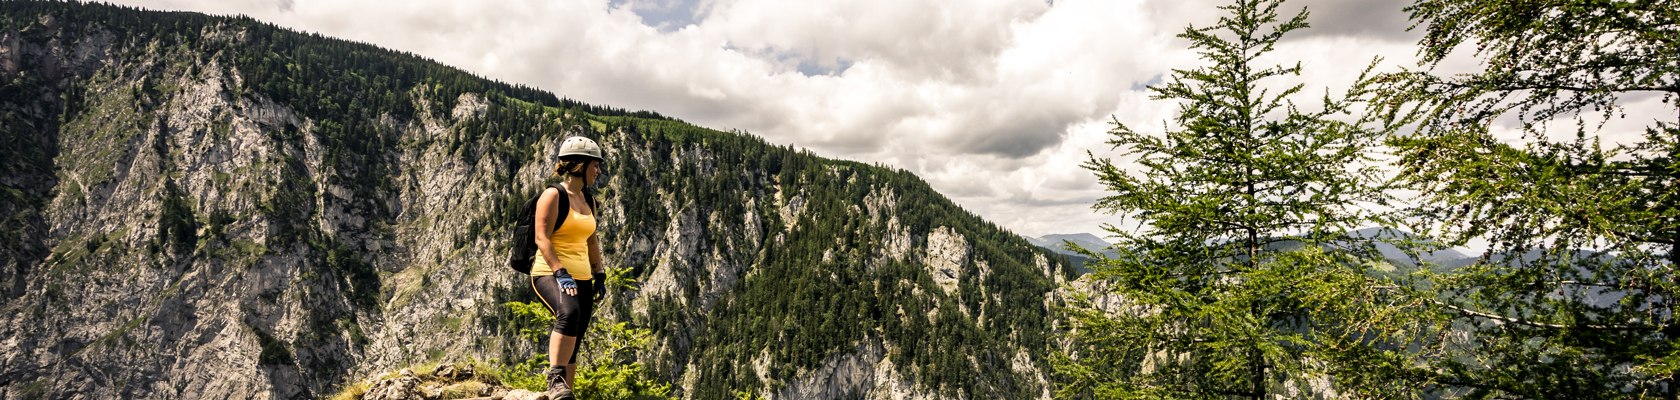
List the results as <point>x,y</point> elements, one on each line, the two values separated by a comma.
<point>558,388</point>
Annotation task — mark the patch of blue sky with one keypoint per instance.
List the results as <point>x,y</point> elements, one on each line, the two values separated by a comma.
<point>805,64</point>
<point>1141,86</point>
<point>816,68</point>
<point>664,15</point>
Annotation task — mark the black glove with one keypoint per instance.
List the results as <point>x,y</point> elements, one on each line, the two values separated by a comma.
<point>600,282</point>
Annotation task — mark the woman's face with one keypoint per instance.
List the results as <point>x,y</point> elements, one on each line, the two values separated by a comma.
<point>592,172</point>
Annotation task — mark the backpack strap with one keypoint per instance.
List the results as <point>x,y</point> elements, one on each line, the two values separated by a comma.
<point>565,203</point>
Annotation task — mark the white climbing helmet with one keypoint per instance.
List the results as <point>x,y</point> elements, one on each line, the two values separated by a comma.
<point>580,146</point>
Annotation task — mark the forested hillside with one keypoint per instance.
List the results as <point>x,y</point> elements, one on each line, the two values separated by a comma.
<point>200,206</point>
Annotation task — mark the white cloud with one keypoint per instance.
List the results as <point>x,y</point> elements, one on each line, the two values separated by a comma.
<point>994,102</point>
<point>911,39</point>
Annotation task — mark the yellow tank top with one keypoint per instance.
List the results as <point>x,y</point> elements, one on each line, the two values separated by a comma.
<point>571,246</point>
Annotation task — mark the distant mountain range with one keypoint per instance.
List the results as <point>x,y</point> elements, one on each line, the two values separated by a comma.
<point>1444,259</point>
<point>1057,243</point>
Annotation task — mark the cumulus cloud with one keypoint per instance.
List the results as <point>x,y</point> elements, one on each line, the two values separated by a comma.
<point>1373,20</point>
<point>994,102</point>
<point>912,39</point>
<point>1382,20</point>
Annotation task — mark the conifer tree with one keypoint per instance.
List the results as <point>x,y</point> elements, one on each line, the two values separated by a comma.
<point>1575,295</point>
<point>1243,277</point>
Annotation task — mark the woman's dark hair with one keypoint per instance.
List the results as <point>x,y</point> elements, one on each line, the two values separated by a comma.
<point>571,165</point>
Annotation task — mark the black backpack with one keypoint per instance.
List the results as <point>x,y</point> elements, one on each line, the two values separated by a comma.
<point>524,234</point>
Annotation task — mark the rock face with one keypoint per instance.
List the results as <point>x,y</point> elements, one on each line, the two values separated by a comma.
<point>947,251</point>
<point>177,226</point>
<point>862,373</point>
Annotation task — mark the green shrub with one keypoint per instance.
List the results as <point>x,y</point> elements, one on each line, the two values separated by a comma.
<point>614,373</point>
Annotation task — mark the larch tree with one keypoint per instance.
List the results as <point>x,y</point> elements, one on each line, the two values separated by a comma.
<point>1559,151</point>
<point>1244,276</point>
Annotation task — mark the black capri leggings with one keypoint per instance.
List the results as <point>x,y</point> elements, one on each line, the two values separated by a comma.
<point>571,313</point>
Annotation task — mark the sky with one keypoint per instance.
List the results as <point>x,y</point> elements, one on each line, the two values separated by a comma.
<point>995,103</point>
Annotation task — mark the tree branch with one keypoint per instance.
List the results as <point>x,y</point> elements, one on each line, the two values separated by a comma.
<point>1519,321</point>
<point>1513,86</point>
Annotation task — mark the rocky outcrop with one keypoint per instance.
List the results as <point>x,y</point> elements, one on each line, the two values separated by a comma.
<point>453,381</point>
<point>864,372</point>
<point>947,252</point>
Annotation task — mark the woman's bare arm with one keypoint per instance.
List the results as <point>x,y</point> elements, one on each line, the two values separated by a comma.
<point>546,217</point>
<point>597,263</point>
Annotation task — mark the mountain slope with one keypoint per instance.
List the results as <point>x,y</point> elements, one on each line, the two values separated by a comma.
<point>204,206</point>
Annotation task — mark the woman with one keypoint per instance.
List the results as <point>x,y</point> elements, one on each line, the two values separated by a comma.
<point>568,274</point>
